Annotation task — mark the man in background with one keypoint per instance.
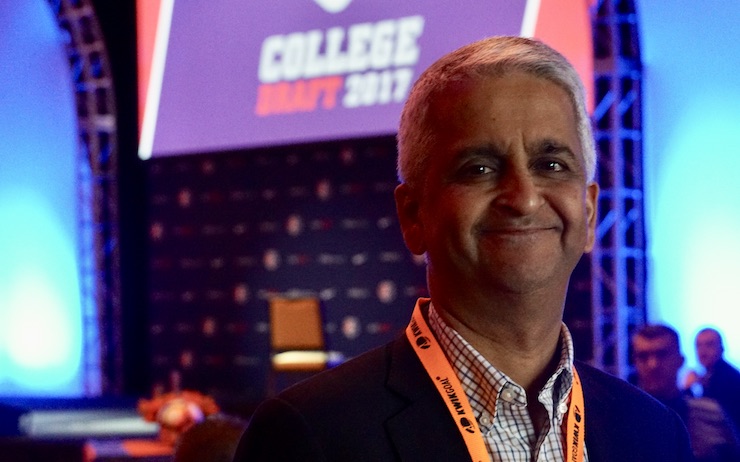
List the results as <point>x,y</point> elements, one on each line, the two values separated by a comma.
<point>720,380</point>
<point>657,358</point>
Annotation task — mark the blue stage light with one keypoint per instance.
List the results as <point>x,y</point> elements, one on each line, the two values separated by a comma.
<point>40,307</point>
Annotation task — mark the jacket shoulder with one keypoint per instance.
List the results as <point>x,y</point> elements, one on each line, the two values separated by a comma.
<point>338,414</point>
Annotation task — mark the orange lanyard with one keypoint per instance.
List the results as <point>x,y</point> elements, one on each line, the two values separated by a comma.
<point>576,433</point>
<point>449,387</point>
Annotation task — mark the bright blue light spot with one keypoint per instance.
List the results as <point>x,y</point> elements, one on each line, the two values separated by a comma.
<point>40,307</point>
<point>40,328</point>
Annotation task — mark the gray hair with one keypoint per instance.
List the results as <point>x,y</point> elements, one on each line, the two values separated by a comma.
<point>490,57</point>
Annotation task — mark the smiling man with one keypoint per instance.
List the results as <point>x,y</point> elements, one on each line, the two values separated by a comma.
<point>496,162</point>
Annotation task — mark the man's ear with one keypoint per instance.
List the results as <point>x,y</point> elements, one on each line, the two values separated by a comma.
<point>592,205</point>
<point>408,210</point>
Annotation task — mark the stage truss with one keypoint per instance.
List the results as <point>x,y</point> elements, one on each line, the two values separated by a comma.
<point>97,182</point>
<point>618,263</point>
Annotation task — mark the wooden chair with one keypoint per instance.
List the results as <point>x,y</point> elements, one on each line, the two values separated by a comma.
<point>297,339</point>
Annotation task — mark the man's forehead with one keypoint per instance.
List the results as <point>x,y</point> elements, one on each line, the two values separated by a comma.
<point>707,337</point>
<point>653,344</point>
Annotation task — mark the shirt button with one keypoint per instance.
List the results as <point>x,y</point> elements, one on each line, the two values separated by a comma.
<point>507,395</point>
<point>562,408</point>
<point>485,420</point>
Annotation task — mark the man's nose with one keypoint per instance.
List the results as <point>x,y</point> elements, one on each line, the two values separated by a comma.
<point>518,191</point>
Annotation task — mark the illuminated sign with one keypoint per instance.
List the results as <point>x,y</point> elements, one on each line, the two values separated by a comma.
<point>226,74</point>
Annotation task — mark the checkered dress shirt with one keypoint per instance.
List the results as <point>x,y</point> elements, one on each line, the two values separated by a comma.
<point>500,405</point>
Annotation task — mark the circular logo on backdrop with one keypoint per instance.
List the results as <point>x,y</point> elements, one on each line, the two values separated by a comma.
<point>271,259</point>
<point>333,6</point>
<point>386,291</point>
<point>294,225</point>
<point>351,327</point>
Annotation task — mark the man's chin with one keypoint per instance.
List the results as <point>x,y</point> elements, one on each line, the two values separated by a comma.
<point>514,283</point>
<point>527,274</point>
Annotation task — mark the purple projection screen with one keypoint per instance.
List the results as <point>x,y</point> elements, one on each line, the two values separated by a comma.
<point>232,74</point>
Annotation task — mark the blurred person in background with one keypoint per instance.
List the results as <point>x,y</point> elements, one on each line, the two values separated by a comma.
<point>658,359</point>
<point>720,381</point>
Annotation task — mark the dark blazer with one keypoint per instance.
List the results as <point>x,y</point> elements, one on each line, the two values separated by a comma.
<point>382,406</point>
<point>724,387</point>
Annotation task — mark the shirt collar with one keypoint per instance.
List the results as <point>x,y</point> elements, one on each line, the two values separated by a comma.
<point>486,382</point>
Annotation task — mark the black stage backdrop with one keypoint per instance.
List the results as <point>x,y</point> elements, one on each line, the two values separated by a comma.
<point>228,231</point>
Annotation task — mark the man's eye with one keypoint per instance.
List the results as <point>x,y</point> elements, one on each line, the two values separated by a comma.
<point>479,170</point>
<point>553,166</point>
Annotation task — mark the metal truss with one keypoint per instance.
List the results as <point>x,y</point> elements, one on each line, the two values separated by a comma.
<point>618,259</point>
<point>97,196</point>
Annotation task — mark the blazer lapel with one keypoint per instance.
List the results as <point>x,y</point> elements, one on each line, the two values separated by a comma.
<point>599,403</point>
<point>424,429</point>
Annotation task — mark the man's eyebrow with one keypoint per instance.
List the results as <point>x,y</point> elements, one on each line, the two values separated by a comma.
<point>484,150</point>
<point>551,146</point>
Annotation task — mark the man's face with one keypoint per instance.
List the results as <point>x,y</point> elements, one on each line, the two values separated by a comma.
<point>708,348</point>
<point>505,204</point>
<point>657,362</point>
